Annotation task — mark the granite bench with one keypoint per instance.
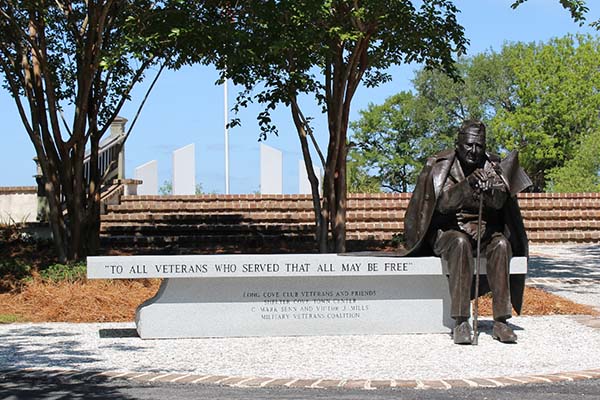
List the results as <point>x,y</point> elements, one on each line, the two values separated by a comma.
<point>287,294</point>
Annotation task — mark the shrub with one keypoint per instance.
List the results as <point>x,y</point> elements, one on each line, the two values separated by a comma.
<point>15,269</point>
<point>64,272</point>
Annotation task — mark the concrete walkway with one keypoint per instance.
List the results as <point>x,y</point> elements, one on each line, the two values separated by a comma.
<point>549,349</point>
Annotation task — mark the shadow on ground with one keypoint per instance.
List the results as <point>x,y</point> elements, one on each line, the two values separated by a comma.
<point>22,386</point>
<point>576,262</point>
<point>15,348</point>
<point>118,333</point>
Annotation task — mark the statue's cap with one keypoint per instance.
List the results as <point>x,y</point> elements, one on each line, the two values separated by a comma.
<point>472,128</point>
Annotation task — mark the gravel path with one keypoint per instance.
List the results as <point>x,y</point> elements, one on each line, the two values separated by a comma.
<point>567,346</point>
<point>571,271</point>
<point>546,345</point>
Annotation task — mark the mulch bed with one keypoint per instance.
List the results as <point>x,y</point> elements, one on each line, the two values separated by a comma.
<point>38,300</point>
<point>116,301</point>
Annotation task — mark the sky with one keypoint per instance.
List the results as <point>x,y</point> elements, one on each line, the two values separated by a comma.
<point>187,107</point>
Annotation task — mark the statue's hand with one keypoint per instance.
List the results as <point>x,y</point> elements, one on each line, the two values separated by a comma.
<point>480,180</point>
<point>495,179</point>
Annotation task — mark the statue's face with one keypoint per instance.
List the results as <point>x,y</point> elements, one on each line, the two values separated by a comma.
<point>470,148</point>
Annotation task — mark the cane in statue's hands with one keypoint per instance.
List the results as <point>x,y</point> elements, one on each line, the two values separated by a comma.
<point>477,266</point>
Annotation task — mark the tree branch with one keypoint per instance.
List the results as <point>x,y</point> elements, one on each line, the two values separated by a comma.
<point>15,94</point>
<point>125,95</point>
<point>139,110</point>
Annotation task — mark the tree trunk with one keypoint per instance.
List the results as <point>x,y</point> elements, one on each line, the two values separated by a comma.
<point>339,233</point>
<point>312,178</point>
<point>55,215</point>
<point>92,231</point>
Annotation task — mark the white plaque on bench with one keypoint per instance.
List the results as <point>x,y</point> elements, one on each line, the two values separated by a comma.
<point>287,294</point>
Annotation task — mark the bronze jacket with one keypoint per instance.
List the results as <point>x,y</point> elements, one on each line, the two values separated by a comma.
<point>422,206</point>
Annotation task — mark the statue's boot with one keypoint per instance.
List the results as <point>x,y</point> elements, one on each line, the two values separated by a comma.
<point>503,333</point>
<point>462,333</point>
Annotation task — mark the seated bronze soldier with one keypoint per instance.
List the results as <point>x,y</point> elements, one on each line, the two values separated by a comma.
<point>442,220</point>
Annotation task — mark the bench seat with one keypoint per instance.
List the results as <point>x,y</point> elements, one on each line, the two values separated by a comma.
<point>287,294</point>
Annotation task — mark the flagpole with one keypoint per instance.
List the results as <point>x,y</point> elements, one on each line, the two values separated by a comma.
<point>226,120</point>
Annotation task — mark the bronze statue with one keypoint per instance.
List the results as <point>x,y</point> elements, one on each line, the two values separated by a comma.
<point>442,220</point>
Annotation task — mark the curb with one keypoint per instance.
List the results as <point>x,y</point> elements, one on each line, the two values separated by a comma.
<point>263,382</point>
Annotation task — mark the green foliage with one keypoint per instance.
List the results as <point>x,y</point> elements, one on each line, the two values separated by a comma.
<point>281,50</point>
<point>64,272</point>
<point>359,179</point>
<point>398,239</point>
<point>79,59</point>
<point>577,8</point>
<point>557,103</point>
<point>14,268</point>
<point>9,318</point>
<point>166,188</point>
<point>579,174</point>
<point>392,141</point>
<point>64,49</point>
<point>300,42</point>
<point>541,99</point>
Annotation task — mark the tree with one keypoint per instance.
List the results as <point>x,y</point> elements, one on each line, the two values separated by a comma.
<point>541,99</point>
<point>556,102</point>
<point>70,66</point>
<point>577,8</point>
<point>359,178</point>
<point>580,173</point>
<point>392,141</point>
<point>326,49</point>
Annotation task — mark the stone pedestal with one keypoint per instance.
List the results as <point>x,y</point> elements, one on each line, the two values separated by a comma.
<point>296,306</point>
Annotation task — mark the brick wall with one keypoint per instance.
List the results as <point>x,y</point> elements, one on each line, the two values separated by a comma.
<point>285,222</point>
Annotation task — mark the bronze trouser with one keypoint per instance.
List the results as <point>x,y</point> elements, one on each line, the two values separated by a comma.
<point>456,248</point>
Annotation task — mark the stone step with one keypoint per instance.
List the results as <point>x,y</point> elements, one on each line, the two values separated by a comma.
<point>208,228</point>
<point>278,239</point>
<point>258,216</point>
<point>246,207</point>
<point>119,227</point>
<point>228,218</point>
<point>246,241</point>
<point>534,204</point>
<point>264,197</point>
<point>547,205</point>
<point>531,208</point>
<point>580,219</point>
<point>555,236</point>
<point>564,224</point>
<point>562,214</point>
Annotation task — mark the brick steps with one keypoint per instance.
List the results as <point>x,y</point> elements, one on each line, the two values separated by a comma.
<point>126,228</point>
<point>228,243</point>
<point>240,217</point>
<point>562,225</point>
<point>268,223</point>
<point>560,214</point>
<point>200,207</point>
<point>592,236</point>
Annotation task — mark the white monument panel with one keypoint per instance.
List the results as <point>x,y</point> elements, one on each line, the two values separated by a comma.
<point>148,174</point>
<point>184,170</point>
<point>271,167</point>
<point>303,182</point>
